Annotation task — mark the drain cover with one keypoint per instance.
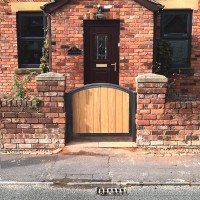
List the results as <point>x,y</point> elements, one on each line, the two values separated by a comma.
<point>111,191</point>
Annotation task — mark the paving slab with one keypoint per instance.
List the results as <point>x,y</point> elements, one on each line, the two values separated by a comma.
<point>100,165</point>
<point>156,169</point>
<point>25,168</point>
<point>80,167</point>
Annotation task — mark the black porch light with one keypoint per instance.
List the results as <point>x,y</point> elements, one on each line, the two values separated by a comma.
<point>100,14</point>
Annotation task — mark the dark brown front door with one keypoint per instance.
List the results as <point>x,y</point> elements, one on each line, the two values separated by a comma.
<point>101,51</point>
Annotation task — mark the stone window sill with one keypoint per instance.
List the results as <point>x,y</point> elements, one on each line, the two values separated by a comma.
<point>28,71</point>
<point>188,71</point>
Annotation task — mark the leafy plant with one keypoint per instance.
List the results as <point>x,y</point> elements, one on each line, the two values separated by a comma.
<point>1,13</point>
<point>20,89</point>
<point>5,1</point>
<point>36,104</point>
<point>20,85</point>
<point>164,54</point>
<point>44,60</point>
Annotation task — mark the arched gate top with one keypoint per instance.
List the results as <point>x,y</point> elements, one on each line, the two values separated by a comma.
<point>100,85</point>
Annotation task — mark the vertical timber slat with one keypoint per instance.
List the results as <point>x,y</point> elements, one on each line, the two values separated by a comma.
<point>97,104</point>
<point>104,110</point>
<point>89,111</point>
<point>76,115</point>
<point>82,111</point>
<point>125,114</point>
<point>111,110</point>
<point>119,109</point>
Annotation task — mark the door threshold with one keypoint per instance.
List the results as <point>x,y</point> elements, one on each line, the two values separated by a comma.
<point>102,142</point>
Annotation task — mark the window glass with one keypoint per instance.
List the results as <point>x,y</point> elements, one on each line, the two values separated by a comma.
<point>32,26</point>
<point>31,52</point>
<point>175,24</point>
<point>180,52</point>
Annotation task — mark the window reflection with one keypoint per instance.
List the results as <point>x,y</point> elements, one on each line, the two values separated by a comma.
<point>32,26</point>
<point>175,24</point>
<point>31,52</point>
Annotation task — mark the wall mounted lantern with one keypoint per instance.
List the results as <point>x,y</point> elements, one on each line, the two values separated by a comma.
<point>100,14</point>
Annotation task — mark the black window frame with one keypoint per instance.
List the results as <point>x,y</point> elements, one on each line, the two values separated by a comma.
<point>20,38</point>
<point>179,36</point>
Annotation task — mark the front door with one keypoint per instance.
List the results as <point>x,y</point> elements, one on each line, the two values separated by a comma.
<point>101,51</point>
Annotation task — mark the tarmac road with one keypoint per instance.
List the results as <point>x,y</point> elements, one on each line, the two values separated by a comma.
<point>48,192</point>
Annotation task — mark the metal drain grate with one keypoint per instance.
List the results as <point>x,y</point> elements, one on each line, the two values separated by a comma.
<point>111,191</point>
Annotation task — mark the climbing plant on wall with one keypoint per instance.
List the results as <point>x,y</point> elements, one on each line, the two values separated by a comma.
<point>4,1</point>
<point>1,13</point>
<point>44,60</point>
<point>20,87</point>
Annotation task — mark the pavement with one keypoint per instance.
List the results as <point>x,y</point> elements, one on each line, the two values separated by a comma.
<point>89,165</point>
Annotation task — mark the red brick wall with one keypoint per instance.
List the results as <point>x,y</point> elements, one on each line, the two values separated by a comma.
<point>184,86</point>
<point>159,123</point>
<point>136,39</point>
<point>22,127</point>
<point>8,48</point>
<point>162,123</point>
<point>195,58</point>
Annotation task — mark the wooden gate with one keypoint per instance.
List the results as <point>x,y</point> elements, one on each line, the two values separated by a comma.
<point>101,109</point>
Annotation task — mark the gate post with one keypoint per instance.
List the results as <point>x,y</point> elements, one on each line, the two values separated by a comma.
<point>151,96</point>
<point>51,89</point>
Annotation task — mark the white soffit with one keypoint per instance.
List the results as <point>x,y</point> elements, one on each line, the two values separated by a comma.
<point>26,6</point>
<point>170,4</point>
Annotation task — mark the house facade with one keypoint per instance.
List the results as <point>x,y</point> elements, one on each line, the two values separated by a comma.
<point>101,53</point>
<point>133,28</point>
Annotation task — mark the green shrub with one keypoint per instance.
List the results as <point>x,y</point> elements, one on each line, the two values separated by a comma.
<point>163,59</point>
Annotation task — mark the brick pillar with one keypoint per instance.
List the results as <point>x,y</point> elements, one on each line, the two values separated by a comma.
<point>51,89</point>
<point>151,90</point>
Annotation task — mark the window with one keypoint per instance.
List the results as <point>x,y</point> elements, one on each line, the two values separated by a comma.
<point>30,27</point>
<point>176,28</point>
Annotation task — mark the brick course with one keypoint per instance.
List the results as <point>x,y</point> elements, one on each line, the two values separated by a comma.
<point>173,123</point>
<point>24,128</point>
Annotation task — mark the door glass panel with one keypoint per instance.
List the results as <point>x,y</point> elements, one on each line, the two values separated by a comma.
<point>101,41</point>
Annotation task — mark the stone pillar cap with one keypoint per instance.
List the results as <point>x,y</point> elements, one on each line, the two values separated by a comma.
<point>151,78</point>
<point>51,76</point>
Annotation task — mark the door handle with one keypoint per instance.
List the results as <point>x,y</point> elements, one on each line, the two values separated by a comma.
<point>115,64</point>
